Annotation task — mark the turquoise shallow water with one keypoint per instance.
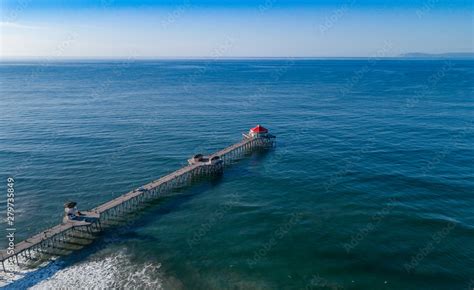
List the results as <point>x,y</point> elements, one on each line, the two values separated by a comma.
<point>370,187</point>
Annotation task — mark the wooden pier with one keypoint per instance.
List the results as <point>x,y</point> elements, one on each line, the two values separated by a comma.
<point>57,236</point>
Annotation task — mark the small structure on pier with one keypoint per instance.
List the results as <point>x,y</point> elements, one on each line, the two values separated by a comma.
<point>262,136</point>
<point>70,210</point>
<point>198,158</point>
<point>258,131</point>
<point>215,160</point>
<point>72,215</point>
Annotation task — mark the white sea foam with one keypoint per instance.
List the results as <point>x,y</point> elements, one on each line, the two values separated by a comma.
<point>108,272</point>
<point>16,273</point>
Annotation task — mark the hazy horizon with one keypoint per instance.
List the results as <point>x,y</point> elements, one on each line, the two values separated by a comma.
<point>100,58</point>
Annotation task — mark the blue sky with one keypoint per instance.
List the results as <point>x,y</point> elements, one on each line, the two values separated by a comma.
<point>211,28</point>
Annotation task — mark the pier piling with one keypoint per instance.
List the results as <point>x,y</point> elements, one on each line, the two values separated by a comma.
<point>198,166</point>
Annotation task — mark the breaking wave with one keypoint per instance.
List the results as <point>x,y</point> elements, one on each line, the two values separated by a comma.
<point>116,271</point>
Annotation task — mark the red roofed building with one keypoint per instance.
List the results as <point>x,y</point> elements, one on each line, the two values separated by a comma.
<point>258,131</point>
<point>260,136</point>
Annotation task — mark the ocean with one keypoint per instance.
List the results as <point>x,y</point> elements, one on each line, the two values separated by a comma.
<point>370,186</point>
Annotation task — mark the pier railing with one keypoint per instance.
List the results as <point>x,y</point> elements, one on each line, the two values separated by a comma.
<point>55,237</point>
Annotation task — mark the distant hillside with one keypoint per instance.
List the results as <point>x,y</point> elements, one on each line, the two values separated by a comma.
<point>438,55</point>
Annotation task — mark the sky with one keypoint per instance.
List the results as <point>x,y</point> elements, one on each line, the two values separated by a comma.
<point>223,28</point>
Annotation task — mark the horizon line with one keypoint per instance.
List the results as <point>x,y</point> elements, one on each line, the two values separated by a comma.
<point>450,54</point>
<point>49,58</point>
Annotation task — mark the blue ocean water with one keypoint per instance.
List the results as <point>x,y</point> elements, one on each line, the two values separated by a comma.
<point>370,187</point>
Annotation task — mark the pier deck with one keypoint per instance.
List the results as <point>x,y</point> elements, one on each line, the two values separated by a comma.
<point>114,207</point>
